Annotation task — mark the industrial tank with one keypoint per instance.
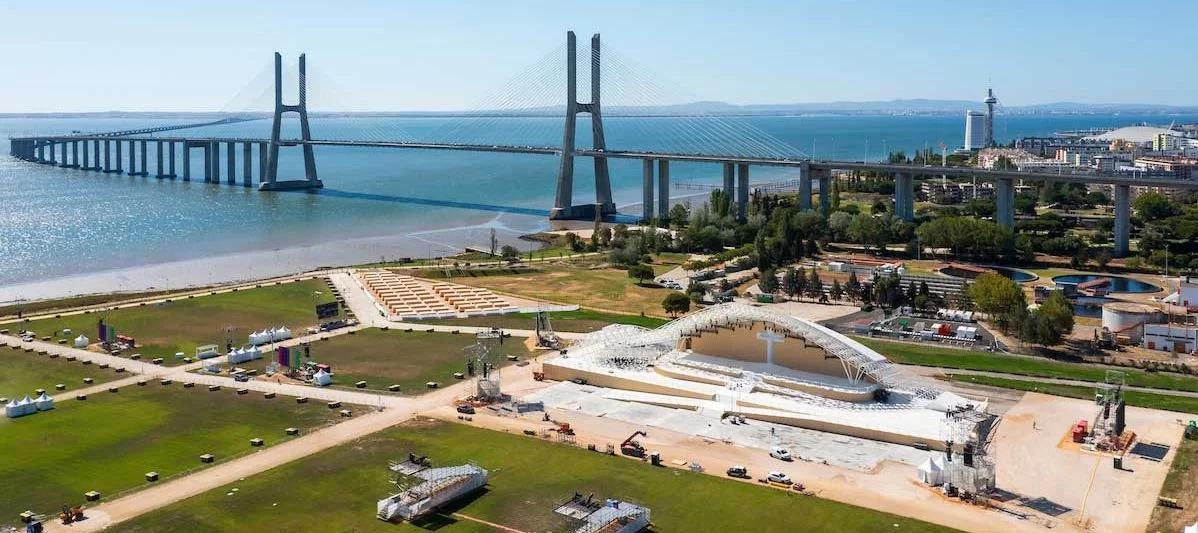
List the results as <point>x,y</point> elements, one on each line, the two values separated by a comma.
<point>1123,317</point>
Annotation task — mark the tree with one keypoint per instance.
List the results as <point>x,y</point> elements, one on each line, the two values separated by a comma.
<point>837,292</point>
<point>866,230</point>
<point>879,208</point>
<point>853,287</point>
<point>769,281</point>
<point>695,291</point>
<point>494,242</point>
<point>838,224</point>
<point>1000,297</point>
<point>1103,258</point>
<point>815,286</point>
<point>574,242</point>
<point>676,303</point>
<point>1151,206</point>
<point>790,285</point>
<point>835,203</point>
<point>510,253</point>
<point>679,214</point>
<point>640,273</point>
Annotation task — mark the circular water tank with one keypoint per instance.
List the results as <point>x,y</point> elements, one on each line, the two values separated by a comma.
<point>1122,317</point>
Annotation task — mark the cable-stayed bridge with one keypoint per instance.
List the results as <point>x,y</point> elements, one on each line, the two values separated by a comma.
<point>694,137</point>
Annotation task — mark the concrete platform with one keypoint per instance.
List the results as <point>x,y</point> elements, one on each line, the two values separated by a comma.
<point>290,185</point>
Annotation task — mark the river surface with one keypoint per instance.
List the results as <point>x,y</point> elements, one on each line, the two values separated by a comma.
<point>67,231</point>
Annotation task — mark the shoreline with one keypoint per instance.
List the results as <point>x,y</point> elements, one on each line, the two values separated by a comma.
<point>254,265</point>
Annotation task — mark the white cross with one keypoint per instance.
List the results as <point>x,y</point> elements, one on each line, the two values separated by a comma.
<point>770,337</point>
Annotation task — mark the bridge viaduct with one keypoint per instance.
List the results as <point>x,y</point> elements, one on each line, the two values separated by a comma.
<point>106,155</point>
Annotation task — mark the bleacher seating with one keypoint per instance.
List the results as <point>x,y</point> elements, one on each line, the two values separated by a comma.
<point>409,298</point>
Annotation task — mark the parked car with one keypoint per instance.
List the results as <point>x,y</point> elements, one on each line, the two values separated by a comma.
<point>779,477</point>
<point>780,453</point>
<point>739,472</point>
<point>466,409</point>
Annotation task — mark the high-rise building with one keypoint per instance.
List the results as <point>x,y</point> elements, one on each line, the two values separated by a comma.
<point>975,130</point>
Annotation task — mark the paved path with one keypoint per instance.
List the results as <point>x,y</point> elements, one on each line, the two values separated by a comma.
<point>398,410</point>
<point>933,371</point>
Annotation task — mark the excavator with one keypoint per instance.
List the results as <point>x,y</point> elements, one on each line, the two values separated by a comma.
<point>631,447</point>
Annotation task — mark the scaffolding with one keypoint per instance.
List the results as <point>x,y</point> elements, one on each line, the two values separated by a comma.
<point>427,489</point>
<point>480,364</point>
<point>1110,420</point>
<point>968,464</point>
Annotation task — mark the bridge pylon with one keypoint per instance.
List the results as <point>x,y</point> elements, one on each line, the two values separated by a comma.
<point>270,181</point>
<point>563,205</point>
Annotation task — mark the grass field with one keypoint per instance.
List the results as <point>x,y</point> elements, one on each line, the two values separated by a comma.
<point>1181,483</point>
<point>581,321</point>
<point>163,329</point>
<point>386,357</point>
<point>108,442</point>
<point>23,372</point>
<point>1181,404</point>
<point>924,355</point>
<point>528,477</point>
<point>599,288</point>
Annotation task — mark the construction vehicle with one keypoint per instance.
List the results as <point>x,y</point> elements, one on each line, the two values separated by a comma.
<point>71,515</point>
<point>538,376</point>
<point>465,408</point>
<point>631,447</point>
<point>564,428</point>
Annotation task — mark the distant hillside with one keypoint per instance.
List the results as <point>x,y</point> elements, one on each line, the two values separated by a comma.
<point>891,107</point>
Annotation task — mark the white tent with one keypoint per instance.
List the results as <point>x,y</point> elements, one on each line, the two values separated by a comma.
<point>12,409</point>
<point>322,378</point>
<point>81,341</point>
<point>931,471</point>
<point>44,403</point>
<point>1192,529</point>
<point>26,406</point>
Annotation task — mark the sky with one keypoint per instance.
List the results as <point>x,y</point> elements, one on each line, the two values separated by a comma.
<point>70,56</point>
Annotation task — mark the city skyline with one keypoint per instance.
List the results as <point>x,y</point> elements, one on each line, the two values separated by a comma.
<point>447,58</point>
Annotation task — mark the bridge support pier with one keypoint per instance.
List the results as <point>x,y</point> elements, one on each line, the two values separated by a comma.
<point>170,169</point>
<point>311,181</point>
<point>904,196</point>
<point>742,191</point>
<point>186,161</point>
<point>132,161</point>
<point>247,164</point>
<point>730,182</point>
<point>805,187</point>
<point>158,160</point>
<point>86,159</point>
<point>647,190</point>
<point>50,150</point>
<point>120,169</point>
<point>825,185</point>
<point>1122,220</point>
<point>1004,213</point>
<point>231,157</point>
<point>107,157</point>
<point>563,205</point>
<point>213,162</point>
<point>663,188</point>
<point>145,168</point>
<point>74,154</point>
<point>263,162</point>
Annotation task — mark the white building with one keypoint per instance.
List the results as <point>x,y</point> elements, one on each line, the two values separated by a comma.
<point>1175,338</point>
<point>975,130</point>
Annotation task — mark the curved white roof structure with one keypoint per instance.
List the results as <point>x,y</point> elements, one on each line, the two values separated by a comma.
<point>1136,134</point>
<point>645,346</point>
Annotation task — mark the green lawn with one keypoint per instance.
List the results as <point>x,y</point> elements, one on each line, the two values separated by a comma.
<point>1181,404</point>
<point>108,442</point>
<point>925,355</point>
<point>408,359</point>
<point>163,329</point>
<point>25,372</point>
<point>581,321</point>
<point>1182,484</point>
<point>528,477</point>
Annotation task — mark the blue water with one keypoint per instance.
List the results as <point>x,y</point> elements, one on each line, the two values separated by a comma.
<point>1090,306</point>
<point>1118,283</point>
<point>62,222</point>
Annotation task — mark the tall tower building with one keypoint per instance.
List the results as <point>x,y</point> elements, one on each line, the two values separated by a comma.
<point>975,130</point>
<point>990,101</point>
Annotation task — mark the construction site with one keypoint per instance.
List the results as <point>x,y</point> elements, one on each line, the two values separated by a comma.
<point>851,424</point>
